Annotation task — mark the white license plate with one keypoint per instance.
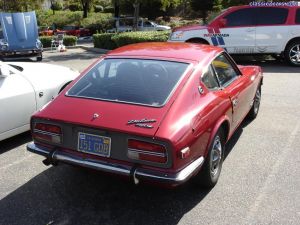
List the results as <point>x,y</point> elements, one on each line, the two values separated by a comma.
<point>94,144</point>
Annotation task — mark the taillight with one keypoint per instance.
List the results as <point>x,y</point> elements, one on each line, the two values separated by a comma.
<point>146,151</point>
<point>47,132</point>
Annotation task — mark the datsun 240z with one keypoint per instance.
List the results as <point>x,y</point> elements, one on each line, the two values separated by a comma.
<point>153,112</point>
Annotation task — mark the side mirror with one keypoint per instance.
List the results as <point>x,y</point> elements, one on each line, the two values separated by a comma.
<point>4,71</point>
<point>223,22</point>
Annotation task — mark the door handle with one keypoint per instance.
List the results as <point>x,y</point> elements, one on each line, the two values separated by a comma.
<point>250,29</point>
<point>235,102</point>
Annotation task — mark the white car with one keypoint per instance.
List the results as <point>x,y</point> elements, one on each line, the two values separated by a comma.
<point>126,25</point>
<point>251,29</point>
<point>151,26</point>
<point>25,88</point>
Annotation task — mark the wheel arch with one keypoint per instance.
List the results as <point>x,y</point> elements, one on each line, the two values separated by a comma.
<point>222,123</point>
<point>290,41</point>
<point>198,40</point>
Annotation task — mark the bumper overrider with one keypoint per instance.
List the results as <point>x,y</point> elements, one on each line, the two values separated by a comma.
<point>137,174</point>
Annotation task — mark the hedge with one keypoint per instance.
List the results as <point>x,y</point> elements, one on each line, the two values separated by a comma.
<point>104,41</point>
<point>113,40</point>
<point>68,40</point>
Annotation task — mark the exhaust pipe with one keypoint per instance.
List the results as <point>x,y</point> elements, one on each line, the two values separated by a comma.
<point>50,159</point>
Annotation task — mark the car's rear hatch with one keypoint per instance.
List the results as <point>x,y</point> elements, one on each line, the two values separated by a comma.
<point>116,121</point>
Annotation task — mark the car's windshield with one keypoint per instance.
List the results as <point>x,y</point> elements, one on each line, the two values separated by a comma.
<point>69,28</point>
<point>139,81</point>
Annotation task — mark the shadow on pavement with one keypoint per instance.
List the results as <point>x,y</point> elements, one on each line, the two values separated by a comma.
<point>14,142</point>
<point>69,195</point>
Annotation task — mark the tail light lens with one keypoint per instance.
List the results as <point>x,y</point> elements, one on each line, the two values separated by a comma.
<point>146,151</point>
<point>47,132</point>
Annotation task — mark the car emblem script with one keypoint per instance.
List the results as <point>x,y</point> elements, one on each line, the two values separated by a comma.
<point>144,123</point>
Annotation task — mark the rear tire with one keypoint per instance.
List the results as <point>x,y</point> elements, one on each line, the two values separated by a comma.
<point>292,53</point>
<point>210,172</point>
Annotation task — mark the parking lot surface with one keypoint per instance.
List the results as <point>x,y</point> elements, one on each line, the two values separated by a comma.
<point>259,183</point>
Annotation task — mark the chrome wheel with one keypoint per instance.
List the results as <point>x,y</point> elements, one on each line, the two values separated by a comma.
<point>256,102</point>
<point>294,54</point>
<point>215,156</point>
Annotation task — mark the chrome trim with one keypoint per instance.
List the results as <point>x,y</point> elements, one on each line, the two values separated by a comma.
<point>92,164</point>
<point>136,174</point>
<point>45,132</point>
<point>178,178</point>
<point>147,152</point>
<point>34,149</point>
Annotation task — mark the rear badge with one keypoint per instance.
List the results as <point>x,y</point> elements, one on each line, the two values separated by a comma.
<point>95,116</point>
<point>143,123</point>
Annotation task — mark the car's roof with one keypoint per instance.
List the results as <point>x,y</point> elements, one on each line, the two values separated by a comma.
<point>167,50</point>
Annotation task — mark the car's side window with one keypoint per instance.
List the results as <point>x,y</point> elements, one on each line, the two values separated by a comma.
<point>209,79</point>
<point>226,72</point>
<point>298,16</point>
<point>272,16</point>
<point>242,17</point>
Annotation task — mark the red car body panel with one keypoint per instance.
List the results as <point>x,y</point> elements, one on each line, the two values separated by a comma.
<point>188,119</point>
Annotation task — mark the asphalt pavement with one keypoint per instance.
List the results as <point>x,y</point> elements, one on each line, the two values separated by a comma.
<point>259,183</point>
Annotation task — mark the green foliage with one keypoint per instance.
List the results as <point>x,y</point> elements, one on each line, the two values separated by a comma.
<point>97,22</point>
<point>141,36</point>
<point>74,7</point>
<point>56,6</point>
<point>111,41</point>
<point>46,41</point>
<point>98,8</point>
<point>20,5</point>
<point>104,41</point>
<point>109,9</point>
<point>68,41</point>
<point>202,7</point>
<point>60,18</point>
<point>228,3</point>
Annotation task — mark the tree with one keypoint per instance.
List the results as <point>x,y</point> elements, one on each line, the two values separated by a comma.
<point>202,7</point>
<point>86,7</point>
<point>20,5</point>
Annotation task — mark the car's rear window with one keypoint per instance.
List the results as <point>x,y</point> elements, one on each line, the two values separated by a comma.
<point>138,81</point>
<point>298,16</point>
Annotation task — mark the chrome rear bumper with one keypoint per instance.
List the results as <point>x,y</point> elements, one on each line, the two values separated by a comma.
<point>135,173</point>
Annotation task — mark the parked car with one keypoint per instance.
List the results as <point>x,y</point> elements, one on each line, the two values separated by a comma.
<point>25,88</point>
<point>76,31</point>
<point>250,30</point>
<point>151,112</point>
<point>126,25</point>
<point>19,36</point>
<point>45,31</point>
<point>151,26</point>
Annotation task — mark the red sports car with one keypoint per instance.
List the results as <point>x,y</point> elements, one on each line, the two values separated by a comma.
<point>152,112</point>
<point>76,31</point>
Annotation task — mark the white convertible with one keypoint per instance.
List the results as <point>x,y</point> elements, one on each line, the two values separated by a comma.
<point>25,88</point>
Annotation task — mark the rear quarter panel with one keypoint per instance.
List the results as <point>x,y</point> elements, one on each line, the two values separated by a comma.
<point>192,119</point>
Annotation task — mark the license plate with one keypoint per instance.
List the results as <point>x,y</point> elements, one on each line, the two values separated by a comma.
<point>94,144</point>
